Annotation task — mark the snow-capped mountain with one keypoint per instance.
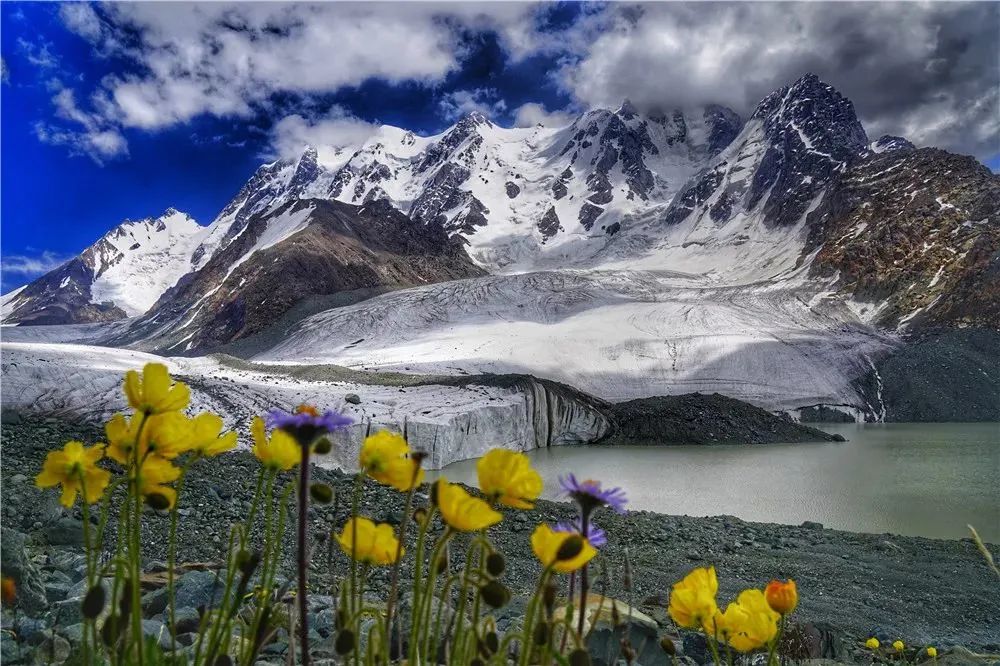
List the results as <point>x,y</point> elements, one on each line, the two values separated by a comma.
<point>121,275</point>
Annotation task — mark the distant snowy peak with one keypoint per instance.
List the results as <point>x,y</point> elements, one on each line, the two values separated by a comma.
<point>120,275</point>
<point>798,140</point>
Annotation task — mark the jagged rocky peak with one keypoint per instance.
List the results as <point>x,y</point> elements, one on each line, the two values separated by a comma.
<point>723,124</point>
<point>307,169</point>
<point>888,143</point>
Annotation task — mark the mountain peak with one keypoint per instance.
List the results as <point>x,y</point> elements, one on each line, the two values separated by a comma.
<point>627,109</point>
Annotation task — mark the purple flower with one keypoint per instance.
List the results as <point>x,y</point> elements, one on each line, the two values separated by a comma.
<point>589,494</point>
<point>306,423</point>
<point>595,535</point>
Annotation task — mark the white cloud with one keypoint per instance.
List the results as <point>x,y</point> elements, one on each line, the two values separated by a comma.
<point>927,70</point>
<point>31,266</point>
<point>456,104</point>
<point>532,113</point>
<point>336,129</point>
<point>91,134</point>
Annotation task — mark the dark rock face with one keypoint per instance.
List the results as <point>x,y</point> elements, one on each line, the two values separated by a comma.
<point>440,194</point>
<point>472,216</point>
<point>549,224</point>
<point>341,248</point>
<point>943,375</point>
<point>698,418</point>
<point>887,143</point>
<point>916,233</point>
<point>798,140</point>
<point>558,189</point>
<point>724,126</point>
<point>589,214</point>
<point>814,134</point>
<point>512,189</point>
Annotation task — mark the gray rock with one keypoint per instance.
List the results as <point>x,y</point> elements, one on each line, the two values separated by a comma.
<point>353,398</point>
<point>64,532</point>
<point>810,525</point>
<point>53,649</point>
<point>15,562</point>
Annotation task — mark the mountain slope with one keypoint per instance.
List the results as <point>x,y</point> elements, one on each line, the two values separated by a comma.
<point>303,247</point>
<point>913,239</point>
<point>120,275</point>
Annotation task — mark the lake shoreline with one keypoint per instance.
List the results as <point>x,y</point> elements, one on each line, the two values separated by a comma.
<point>925,591</point>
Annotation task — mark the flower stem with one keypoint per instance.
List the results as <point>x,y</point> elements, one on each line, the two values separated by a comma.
<point>303,557</point>
<point>584,520</point>
<point>394,583</point>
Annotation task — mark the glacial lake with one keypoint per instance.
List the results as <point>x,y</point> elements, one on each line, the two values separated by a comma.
<point>916,479</point>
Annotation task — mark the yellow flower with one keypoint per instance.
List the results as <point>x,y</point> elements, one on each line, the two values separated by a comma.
<point>898,646</point>
<point>155,391</point>
<point>749,623</point>
<point>546,544</point>
<point>167,435</point>
<point>75,467</point>
<point>692,600</point>
<point>782,597</point>
<point>375,544</point>
<point>385,456</point>
<point>205,438</point>
<point>279,452</point>
<point>461,510</point>
<point>8,591</point>
<point>872,643</point>
<point>932,652</point>
<point>507,477</point>
<point>155,473</point>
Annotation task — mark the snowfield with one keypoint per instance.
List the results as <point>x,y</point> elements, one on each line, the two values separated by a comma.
<point>616,334</point>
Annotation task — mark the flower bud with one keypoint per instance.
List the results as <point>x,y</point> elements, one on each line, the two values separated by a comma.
<point>629,653</point>
<point>345,642</point>
<point>321,493</point>
<point>322,446</point>
<point>495,594</point>
<point>579,657</point>
<point>223,660</point>
<point>112,630</point>
<point>495,564</point>
<point>668,646</point>
<point>442,563</point>
<point>420,515</point>
<point>158,501</point>
<point>541,635</point>
<point>490,643</point>
<point>93,602</point>
<point>570,548</point>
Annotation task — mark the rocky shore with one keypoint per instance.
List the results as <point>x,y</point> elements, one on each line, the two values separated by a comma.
<point>852,586</point>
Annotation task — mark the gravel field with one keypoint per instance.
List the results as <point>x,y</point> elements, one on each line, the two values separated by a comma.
<point>851,586</point>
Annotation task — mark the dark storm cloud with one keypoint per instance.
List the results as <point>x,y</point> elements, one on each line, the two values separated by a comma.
<point>928,71</point>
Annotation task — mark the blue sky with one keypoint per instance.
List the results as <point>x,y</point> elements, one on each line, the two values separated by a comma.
<point>120,111</point>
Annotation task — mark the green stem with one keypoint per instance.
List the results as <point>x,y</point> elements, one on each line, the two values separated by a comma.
<point>359,480</point>
<point>425,611</point>
<point>415,604</point>
<point>529,618</point>
<point>396,565</point>
<point>463,595</point>
<point>172,558</point>
<point>134,550</point>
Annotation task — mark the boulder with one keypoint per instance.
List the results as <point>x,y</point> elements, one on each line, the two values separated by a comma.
<point>15,562</point>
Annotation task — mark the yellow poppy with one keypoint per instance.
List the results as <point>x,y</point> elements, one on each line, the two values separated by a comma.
<point>872,643</point>
<point>748,624</point>
<point>932,652</point>
<point>155,473</point>
<point>206,439</point>
<point>692,600</point>
<point>782,597</point>
<point>75,467</point>
<point>155,392</point>
<point>385,456</point>
<point>375,544</point>
<point>167,435</point>
<point>507,477</point>
<point>546,543</point>
<point>898,646</point>
<point>461,510</point>
<point>279,452</point>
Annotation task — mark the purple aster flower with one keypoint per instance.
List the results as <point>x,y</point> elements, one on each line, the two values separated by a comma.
<point>595,535</point>
<point>589,494</point>
<point>306,423</point>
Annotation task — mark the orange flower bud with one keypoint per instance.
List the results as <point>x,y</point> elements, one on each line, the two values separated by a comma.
<point>8,590</point>
<point>782,597</point>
